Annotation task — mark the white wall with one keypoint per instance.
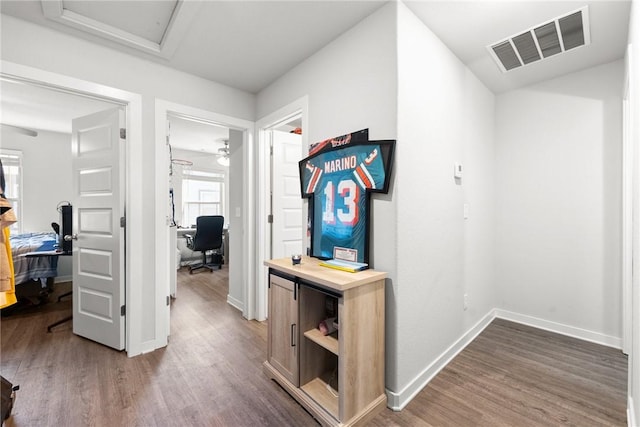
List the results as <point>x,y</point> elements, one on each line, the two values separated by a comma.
<point>35,46</point>
<point>445,115</point>
<point>351,85</point>
<point>46,181</point>
<point>558,210</point>
<point>235,220</point>
<point>634,99</point>
<point>203,162</point>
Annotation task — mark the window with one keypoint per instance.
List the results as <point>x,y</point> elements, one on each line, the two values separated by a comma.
<point>202,194</point>
<point>12,166</point>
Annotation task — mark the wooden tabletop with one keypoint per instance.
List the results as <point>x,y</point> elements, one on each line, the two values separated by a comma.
<point>310,269</point>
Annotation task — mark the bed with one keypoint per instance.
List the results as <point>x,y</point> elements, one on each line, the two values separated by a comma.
<point>34,260</point>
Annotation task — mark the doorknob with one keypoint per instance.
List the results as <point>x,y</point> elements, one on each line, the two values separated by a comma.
<point>70,237</point>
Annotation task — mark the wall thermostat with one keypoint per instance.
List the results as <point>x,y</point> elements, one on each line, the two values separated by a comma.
<point>457,170</point>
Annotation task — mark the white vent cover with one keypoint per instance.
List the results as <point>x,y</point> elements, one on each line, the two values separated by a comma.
<point>542,41</point>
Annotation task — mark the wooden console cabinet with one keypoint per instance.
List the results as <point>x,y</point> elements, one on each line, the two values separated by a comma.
<point>339,378</point>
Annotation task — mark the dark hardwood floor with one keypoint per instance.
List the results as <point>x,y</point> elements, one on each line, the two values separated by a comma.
<point>210,374</point>
<point>516,375</point>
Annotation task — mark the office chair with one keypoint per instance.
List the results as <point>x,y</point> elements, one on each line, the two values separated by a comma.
<point>208,237</point>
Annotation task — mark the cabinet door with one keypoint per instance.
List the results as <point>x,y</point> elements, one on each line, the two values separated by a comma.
<point>283,328</point>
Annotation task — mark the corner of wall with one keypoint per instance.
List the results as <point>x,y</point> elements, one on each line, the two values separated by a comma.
<point>560,328</point>
<point>235,303</point>
<point>396,401</point>
<point>634,85</point>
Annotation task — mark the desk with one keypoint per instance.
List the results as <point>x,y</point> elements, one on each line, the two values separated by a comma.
<point>47,249</point>
<point>186,255</point>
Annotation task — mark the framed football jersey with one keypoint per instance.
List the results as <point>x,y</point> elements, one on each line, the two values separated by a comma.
<point>338,182</point>
<point>338,141</point>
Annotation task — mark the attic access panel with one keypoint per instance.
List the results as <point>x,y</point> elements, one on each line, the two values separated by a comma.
<point>146,19</point>
<point>542,41</point>
<point>154,26</point>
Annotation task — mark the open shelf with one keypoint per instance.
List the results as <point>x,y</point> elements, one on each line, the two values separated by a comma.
<point>328,342</point>
<point>318,390</point>
<point>338,378</point>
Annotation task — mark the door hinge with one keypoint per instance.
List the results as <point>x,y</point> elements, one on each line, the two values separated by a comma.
<point>123,221</point>
<point>270,219</point>
<point>123,133</point>
<point>122,310</point>
<point>168,300</point>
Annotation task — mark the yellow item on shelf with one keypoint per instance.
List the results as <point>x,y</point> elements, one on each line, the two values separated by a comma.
<point>351,267</point>
<point>8,297</point>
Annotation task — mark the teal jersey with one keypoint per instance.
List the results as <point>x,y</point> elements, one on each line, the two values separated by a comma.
<point>339,182</point>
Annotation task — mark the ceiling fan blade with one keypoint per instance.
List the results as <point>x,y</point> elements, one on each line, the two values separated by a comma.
<point>24,131</point>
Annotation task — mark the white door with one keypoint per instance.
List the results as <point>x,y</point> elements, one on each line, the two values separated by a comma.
<point>98,245</point>
<point>287,226</point>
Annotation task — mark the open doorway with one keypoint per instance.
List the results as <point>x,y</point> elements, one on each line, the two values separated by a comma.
<point>38,127</point>
<point>222,138</point>
<point>281,211</point>
<point>627,212</point>
<point>286,212</point>
<point>198,184</point>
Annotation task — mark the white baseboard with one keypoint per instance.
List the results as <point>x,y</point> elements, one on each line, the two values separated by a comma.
<point>143,348</point>
<point>61,279</point>
<point>560,328</point>
<point>235,303</point>
<point>397,401</point>
<point>632,419</point>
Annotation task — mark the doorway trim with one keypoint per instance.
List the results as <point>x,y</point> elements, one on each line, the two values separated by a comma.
<point>133,182</point>
<point>163,251</point>
<point>627,211</point>
<point>263,238</point>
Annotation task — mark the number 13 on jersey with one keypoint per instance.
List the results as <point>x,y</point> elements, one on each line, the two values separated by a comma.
<point>348,193</point>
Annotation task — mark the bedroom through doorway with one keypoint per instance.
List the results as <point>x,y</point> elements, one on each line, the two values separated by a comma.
<point>198,175</point>
<point>37,131</point>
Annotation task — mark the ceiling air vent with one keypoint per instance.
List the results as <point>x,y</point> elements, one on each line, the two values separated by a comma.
<point>542,41</point>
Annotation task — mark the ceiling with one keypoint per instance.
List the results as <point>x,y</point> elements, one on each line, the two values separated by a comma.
<point>192,135</point>
<point>40,109</point>
<point>249,44</point>
<point>468,27</point>
<point>242,44</point>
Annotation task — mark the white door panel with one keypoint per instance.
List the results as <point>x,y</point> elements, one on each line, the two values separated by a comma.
<point>98,252</point>
<point>287,228</point>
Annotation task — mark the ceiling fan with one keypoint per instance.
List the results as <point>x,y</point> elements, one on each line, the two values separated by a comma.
<point>19,129</point>
<point>223,153</point>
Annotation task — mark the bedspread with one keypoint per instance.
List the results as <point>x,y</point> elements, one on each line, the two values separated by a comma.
<point>33,268</point>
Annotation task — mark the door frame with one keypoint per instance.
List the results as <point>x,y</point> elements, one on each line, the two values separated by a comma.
<point>134,249</point>
<point>163,252</point>
<point>627,211</point>
<point>263,238</point>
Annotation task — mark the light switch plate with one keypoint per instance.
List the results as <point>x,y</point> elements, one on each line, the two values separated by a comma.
<point>457,170</point>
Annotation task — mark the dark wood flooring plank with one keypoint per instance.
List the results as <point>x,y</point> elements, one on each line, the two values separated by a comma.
<point>210,374</point>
